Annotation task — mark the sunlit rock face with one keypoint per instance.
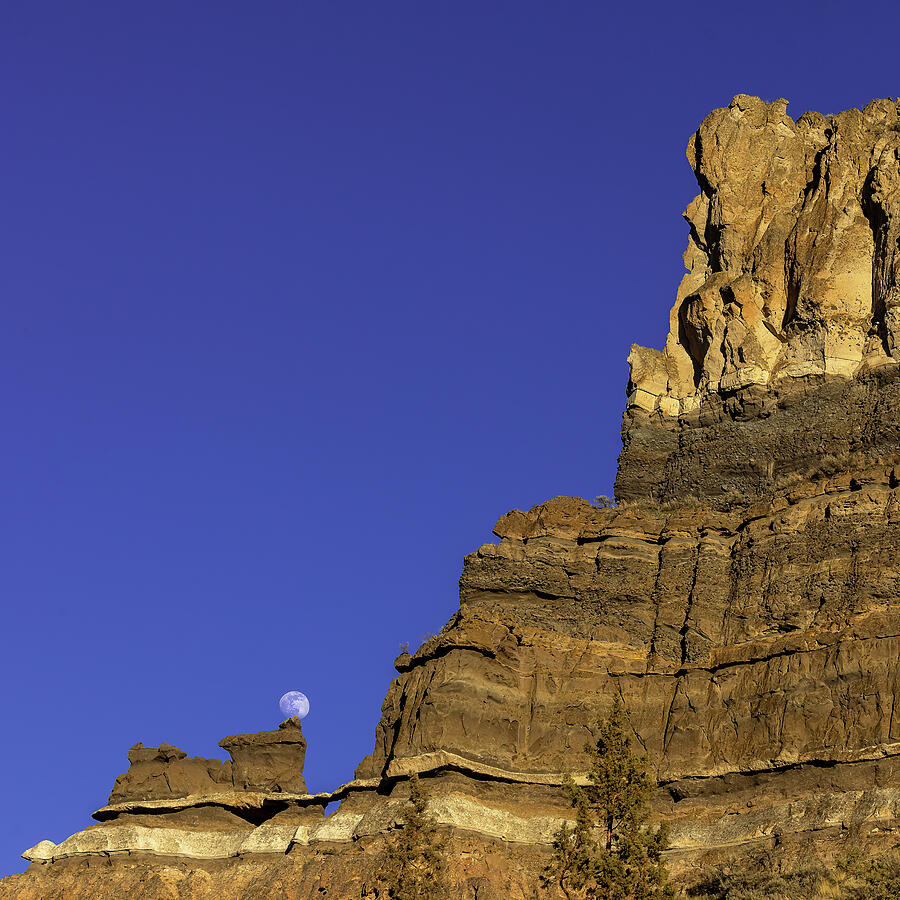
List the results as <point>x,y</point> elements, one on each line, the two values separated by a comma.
<point>782,350</point>
<point>269,760</point>
<point>263,761</point>
<point>792,255</point>
<point>743,598</point>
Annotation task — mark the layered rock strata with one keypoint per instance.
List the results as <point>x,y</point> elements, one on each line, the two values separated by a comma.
<point>203,809</point>
<point>743,599</point>
<point>791,287</point>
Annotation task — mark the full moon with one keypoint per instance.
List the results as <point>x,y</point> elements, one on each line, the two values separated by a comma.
<point>294,703</point>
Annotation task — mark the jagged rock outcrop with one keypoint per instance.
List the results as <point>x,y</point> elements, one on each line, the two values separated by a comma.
<point>743,598</point>
<point>164,772</point>
<point>788,313</point>
<point>268,760</point>
<point>264,761</point>
<point>792,255</point>
<point>169,806</point>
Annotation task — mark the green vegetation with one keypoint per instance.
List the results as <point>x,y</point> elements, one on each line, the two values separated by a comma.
<point>413,866</point>
<point>762,883</point>
<point>866,878</point>
<point>603,502</point>
<point>855,876</point>
<point>611,853</point>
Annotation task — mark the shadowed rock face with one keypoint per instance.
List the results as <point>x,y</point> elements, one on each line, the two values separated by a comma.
<point>757,443</point>
<point>743,598</point>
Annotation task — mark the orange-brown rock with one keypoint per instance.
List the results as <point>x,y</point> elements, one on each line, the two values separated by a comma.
<point>165,772</point>
<point>268,760</point>
<point>264,761</point>
<point>743,598</point>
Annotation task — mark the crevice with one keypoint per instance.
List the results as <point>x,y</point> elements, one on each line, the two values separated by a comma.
<point>696,343</point>
<point>656,599</point>
<point>665,735</point>
<point>445,649</point>
<point>882,257</point>
<point>782,653</point>
<point>253,815</point>
<point>690,605</point>
<point>791,286</point>
<point>777,769</point>
<point>720,667</point>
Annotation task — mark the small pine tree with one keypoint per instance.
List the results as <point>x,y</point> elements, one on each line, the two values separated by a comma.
<point>414,862</point>
<point>625,863</point>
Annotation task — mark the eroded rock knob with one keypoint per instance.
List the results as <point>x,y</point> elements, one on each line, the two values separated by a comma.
<point>269,760</point>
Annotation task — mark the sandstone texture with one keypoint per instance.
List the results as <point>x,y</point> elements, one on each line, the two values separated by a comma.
<point>791,286</point>
<point>792,256</point>
<point>265,761</point>
<point>743,597</point>
<point>268,760</point>
<point>165,772</point>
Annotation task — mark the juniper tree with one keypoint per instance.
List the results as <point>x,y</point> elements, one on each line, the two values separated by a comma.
<point>414,863</point>
<point>611,853</point>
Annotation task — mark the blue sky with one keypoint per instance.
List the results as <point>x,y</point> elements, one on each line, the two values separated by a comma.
<point>299,299</point>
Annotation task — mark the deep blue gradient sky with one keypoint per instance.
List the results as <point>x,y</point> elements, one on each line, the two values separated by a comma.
<point>299,298</point>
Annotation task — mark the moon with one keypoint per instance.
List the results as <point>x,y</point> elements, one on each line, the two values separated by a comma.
<point>294,703</point>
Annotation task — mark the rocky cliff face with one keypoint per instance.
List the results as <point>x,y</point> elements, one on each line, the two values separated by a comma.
<point>742,598</point>
<point>792,256</point>
<point>792,286</point>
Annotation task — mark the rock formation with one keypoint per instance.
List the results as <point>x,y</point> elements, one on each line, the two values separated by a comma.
<point>792,284</point>
<point>202,809</point>
<point>165,772</point>
<point>792,255</point>
<point>742,598</point>
<point>268,760</point>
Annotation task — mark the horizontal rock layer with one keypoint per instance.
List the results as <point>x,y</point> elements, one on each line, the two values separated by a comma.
<point>745,449</point>
<point>742,643</point>
<point>743,599</point>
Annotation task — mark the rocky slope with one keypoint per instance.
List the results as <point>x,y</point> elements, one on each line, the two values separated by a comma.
<point>742,598</point>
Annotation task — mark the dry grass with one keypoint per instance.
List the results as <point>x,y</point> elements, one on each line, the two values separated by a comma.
<point>854,877</point>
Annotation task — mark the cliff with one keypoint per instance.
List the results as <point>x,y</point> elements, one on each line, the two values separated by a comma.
<point>789,313</point>
<point>742,598</point>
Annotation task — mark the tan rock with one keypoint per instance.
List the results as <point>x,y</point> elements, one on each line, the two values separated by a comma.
<point>166,772</point>
<point>269,760</point>
<point>743,599</point>
<point>792,260</point>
